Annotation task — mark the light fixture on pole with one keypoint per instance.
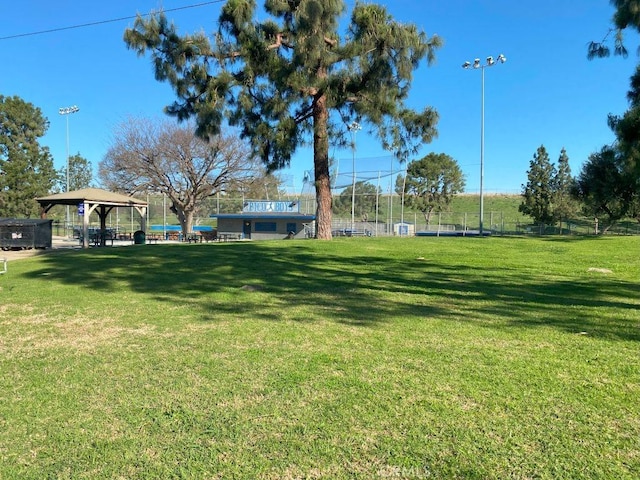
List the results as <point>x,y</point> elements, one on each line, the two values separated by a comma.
<point>353,128</point>
<point>66,111</point>
<point>477,65</point>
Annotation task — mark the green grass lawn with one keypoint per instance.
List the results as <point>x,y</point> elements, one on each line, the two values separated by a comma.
<point>504,204</point>
<point>357,358</point>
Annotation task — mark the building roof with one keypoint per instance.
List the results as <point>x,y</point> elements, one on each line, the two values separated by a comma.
<point>93,195</point>
<point>265,216</point>
<point>23,221</point>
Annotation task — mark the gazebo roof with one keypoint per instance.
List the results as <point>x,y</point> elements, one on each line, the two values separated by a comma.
<point>91,195</point>
<point>94,200</point>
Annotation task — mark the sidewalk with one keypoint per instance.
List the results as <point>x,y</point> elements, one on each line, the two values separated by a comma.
<point>62,243</point>
<point>57,243</point>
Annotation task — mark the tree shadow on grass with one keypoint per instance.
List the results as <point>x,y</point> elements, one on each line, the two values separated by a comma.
<point>269,282</point>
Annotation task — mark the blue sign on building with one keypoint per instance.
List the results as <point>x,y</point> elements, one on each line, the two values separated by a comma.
<point>81,209</point>
<point>271,207</point>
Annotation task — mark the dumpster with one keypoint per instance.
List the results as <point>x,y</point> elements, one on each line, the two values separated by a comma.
<point>25,233</point>
<point>139,237</point>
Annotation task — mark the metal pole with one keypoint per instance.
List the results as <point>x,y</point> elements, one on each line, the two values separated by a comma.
<point>66,222</point>
<point>66,111</point>
<point>404,185</point>
<point>482,159</point>
<point>391,200</point>
<point>476,64</point>
<point>377,201</point>
<point>353,182</point>
<point>353,128</point>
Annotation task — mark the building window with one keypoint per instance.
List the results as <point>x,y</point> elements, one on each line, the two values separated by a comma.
<point>291,227</point>
<point>266,226</point>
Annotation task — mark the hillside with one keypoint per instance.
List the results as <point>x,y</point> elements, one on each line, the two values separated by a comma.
<point>504,204</point>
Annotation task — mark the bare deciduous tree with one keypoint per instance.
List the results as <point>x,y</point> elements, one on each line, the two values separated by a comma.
<point>163,157</point>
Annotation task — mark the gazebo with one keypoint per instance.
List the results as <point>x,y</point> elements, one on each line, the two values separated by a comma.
<point>94,199</point>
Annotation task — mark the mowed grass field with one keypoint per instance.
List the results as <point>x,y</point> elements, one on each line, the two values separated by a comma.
<point>486,358</point>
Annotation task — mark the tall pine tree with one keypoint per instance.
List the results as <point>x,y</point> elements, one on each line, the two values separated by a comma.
<point>564,204</point>
<point>604,187</point>
<point>626,127</point>
<point>294,80</point>
<point>80,174</point>
<point>26,168</point>
<point>538,193</point>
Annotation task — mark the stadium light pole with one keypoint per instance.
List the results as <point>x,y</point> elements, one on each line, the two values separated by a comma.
<point>477,65</point>
<point>353,128</point>
<point>66,111</point>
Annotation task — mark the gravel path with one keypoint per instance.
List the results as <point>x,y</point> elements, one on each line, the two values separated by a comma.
<point>57,244</point>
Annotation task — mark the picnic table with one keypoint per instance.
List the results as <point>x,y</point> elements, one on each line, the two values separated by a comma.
<point>227,236</point>
<point>348,232</point>
<point>194,238</point>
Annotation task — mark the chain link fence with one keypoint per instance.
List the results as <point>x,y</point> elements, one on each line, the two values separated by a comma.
<point>385,217</point>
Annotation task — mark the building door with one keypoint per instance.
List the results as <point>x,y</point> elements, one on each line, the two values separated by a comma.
<point>246,229</point>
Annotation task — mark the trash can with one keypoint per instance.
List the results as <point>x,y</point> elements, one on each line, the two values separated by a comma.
<point>139,237</point>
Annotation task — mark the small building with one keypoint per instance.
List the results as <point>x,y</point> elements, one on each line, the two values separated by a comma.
<point>266,220</point>
<point>404,229</point>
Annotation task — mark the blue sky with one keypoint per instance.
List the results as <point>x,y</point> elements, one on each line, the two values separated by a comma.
<point>547,92</point>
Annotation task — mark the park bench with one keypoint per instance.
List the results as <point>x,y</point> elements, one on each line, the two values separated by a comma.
<point>98,237</point>
<point>194,238</point>
<point>152,238</point>
<point>347,232</point>
<point>229,236</point>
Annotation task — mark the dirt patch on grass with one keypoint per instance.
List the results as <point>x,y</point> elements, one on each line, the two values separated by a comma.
<point>599,270</point>
<point>38,334</point>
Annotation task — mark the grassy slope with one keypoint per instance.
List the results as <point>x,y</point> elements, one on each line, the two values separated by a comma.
<point>357,358</point>
<point>497,203</point>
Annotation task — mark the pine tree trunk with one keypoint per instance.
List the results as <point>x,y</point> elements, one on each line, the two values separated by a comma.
<point>321,168</point>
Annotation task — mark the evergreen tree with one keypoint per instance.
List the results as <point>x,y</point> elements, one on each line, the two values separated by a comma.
<point>564,204</point>
<point>80,174</point>
<point>605,189</point>
<point>293,80</point>
<point>26,168</point>
<point>627,15</point>
<point>364,204</point>
<point>431,183</point>
<point>261,185</point>
<point>626,127</point>
<point>538,193</point>
<point>627,131</point>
